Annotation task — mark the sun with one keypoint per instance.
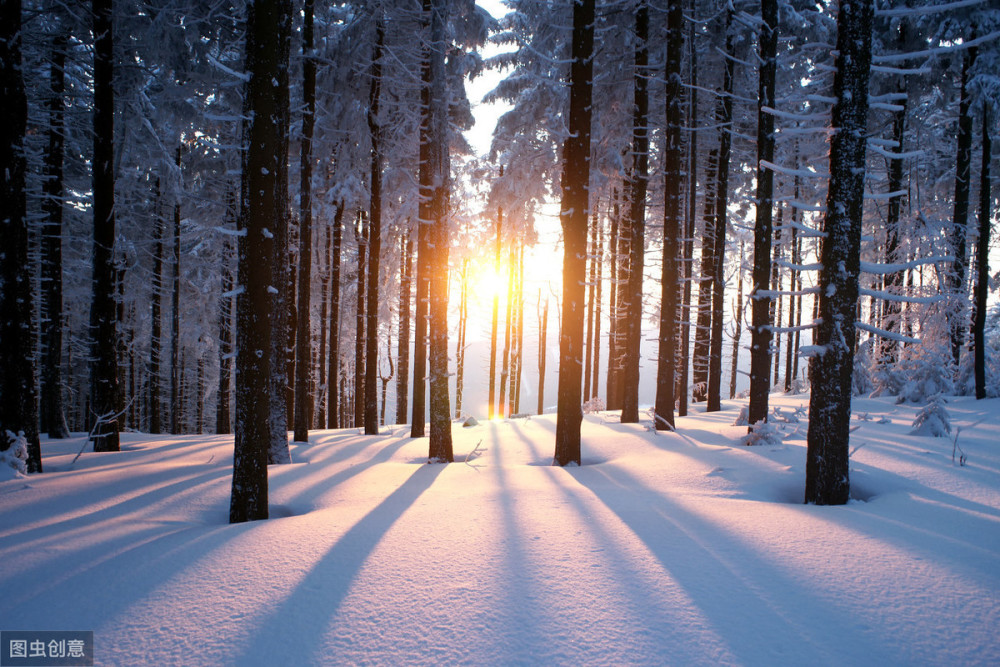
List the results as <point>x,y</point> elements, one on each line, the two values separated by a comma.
<point>487,283</point>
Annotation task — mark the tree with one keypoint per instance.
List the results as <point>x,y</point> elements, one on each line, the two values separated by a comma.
<point>103,313</point>
<point>666,366</point>
<point>496,312</point>
<point>403,353</point>
<point>982,259</point>
<point>637,215</point>
<point>303,355</point>
<point>439,179</point>
<point>760,330</point>
<point>574,214</point>
<point>333,419</point>
<point>827,480</point>
<point>265,118</point>
<point>51,404</point>
<point>18,415</point>
<point>374,232</point>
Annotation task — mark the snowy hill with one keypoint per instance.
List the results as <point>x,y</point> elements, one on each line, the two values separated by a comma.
<point>682,548</point>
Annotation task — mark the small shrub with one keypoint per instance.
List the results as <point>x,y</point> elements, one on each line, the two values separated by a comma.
<point>933,419</point>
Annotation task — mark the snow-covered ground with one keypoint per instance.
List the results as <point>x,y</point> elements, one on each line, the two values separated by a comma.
<point>679,548</point>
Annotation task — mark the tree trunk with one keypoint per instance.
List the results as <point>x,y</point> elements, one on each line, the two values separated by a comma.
<point>703,313</point>
<point>827,480</point>
<point>738,319</point>
<point>463,316</point>
<point>496,315</point>
<point>267,50</point>
<point>516,389</point>
<point>224,394</point>
<point>283,337</point>
<point>543,324</point>
<point>18,411</point>
<point>175,308</point>
<point>439,166</point>
<point>599,259</point>
<point>505,361</point>
<point>322,396</point>
<point>361,239</point>
<point>51,417</point>
<point>374,234</point>
<point>611,381</point>
<point>760,331</point>
<point>983,260</point>
<point>386,379</point>
<point>333,381</point>
<point>103,324</point>
<point>425,220</point>
<point>684,312</point>
<point>960,217</point>
<point>156,334</point>
<point>405,294</point>
<point>303,350</point>
<point>721,209</point>
<point>574,214</point>
<point>666,350</point>
<point>637,245</point>
<point>591,285</point>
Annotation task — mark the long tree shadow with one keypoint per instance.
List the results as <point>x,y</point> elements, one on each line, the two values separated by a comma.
<point>729,580</point>
<point>318,596</point>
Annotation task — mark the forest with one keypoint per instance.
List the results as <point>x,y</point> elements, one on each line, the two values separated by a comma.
<point>266,217</point>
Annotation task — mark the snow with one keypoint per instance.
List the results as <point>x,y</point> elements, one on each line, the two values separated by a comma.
<point>678,548</point>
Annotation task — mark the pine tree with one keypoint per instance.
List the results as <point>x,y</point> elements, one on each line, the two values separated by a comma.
<point>827,480</point>
<point>265,119</point>
<point>574,215</point>
<point>374,232</point>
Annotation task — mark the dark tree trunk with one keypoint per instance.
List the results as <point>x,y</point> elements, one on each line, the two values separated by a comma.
<point>599,259</point>
<point>374,235</point>
<point>960,217</point>
<point>18,411</point>
<point>303,350</point>
<point>265,121</point>
<point>175,310</point>
<point>894,281</point>
<point>51,413</point>
<point>666,350</point>
<point>361,239</point>
<point>591,285</point>
<point>738,319</point>
<point>703,312</point>
<point>684,354</point>
<point>439,166</point>
<point>790,338</point>
<point>496,317</point>
<point>425,220</point>
<point>760,330</point>
<point>156,324</point>
<point>103,321</point>
<point>725,115</point>
<point>613,401</point>
<point>827,480</point>
<point>543,325</point>
<point>224,401</point>
<point>405,294</point>
<point>333,382</point>
<point>574,214</point>
<point>637,245</point>
<point>775,286</point>
<point>983,260</point>
<point>623,257</point>
<point>323,395</point>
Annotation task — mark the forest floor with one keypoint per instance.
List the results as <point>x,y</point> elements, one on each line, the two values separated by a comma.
<point>680,548</point>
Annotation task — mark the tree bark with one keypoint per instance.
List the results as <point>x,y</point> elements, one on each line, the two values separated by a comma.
<point>637,217</point>
<point>666,351</point>
<point>18,412</point>
<point>573,214</point>
<point>333,381</point>
<point>405,294</point>
<point>463,316</point>
<point>543,324</point>
<point>374,234</point>
<point>760,331</point>
<point>361,239</point>
<point>156,334</point>
<point>51,404</point>
<point>983,260</point>
<point>439,166</point>
<point>224,401</point>
<point>827,481</point>
<point>303,339</point>
<point>591,284</point>
<point>960,216</point>
<point>261,203</point>
<point>175,308</point>
<point>599,259</point>
<point>103,320</point>
<point>721,209</point>
<point>496,314</point>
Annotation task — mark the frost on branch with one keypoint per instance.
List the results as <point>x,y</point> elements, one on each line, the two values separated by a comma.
<point>762,433</point>
<point>13,456</point>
